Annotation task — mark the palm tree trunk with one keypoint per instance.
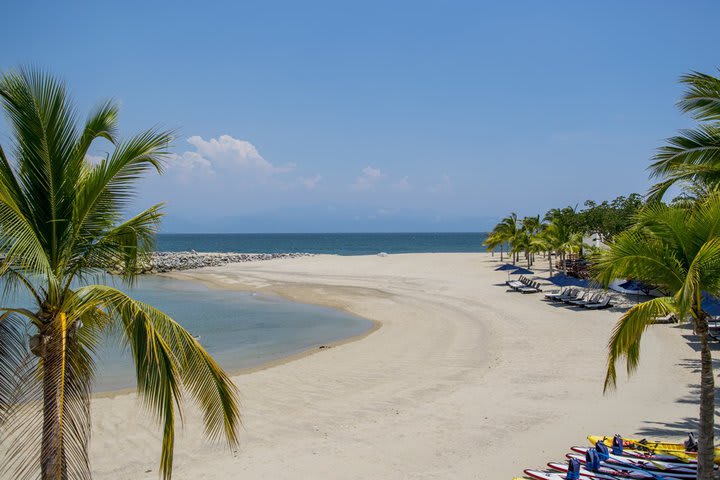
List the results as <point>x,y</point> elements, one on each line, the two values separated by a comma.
<point>501,252</point>
<point>550,262</point>
<point>52,454</point>
<point>706,441</point>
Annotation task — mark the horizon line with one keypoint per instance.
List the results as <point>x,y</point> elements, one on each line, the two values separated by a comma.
<point>316,233</point>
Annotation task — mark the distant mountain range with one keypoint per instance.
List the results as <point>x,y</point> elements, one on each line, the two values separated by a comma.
<point>297,222</point>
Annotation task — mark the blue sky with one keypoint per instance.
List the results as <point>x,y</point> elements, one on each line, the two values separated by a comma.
<point>377,116</point>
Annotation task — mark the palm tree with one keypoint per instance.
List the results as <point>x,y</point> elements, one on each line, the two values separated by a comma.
<point>509,228</point>
<point>562,239</point>
<point>521,243</point>
<point>693,156</point>
<point>542,243</point>
<point>532,226</point>
<point>494,240</point>
<point>504,232</point>
<point>678,250</point>
<point>61,225</point>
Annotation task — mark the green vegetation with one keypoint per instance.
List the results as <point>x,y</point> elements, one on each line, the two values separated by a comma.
<point>691,159</point>
<point>61,224</point>
<point>675,247</point>
<point>678,250</point>
<point>561,230</point>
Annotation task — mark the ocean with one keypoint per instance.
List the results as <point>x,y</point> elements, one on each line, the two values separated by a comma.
<point>331,243</point>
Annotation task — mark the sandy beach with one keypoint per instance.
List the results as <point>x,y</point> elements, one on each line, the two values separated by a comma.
<point>461,380</point>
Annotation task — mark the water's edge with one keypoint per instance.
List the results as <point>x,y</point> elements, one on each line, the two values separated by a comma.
<point>191,277</point>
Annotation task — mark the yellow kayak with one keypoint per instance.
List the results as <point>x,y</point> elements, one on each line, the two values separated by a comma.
<point>675,449</point>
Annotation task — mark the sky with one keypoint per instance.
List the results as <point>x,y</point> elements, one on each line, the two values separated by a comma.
<point>376,116</point>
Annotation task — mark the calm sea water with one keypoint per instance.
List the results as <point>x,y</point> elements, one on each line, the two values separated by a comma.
<point>334,243</point>
<point>239,329</point>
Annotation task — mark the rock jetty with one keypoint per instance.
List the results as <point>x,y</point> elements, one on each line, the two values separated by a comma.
<point>161,262</point>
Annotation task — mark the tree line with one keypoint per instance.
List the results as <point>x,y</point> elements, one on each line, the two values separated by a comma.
<point>561,230</point>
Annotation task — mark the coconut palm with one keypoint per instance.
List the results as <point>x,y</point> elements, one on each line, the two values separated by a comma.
<point>521,243</point>
<point>509,229</point>
<point>542,243</point>
<point>494,240</point>
<point>532,226</point>
<point>562,239</point>
<point>693,156</point>
<point>678,250</point>
<point>505,232</point>
<point>60,226</point>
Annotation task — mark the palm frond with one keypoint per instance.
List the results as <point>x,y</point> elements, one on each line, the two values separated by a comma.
<point>635,255</point>
<point>122,249</point>
<point>626,336</point>
<point>111,183</point>
<point>699,146</point>
<point>13,357</point>
<point>102,123</point>
<point>19,242</point>
<point>702,97</point>
<point>668,226</point>
<point>43,123</point>
<point>168,358</point>
<point>702,275</point>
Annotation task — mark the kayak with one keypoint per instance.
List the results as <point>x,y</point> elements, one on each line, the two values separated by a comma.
<point>543,475</point>
<point>664,469</point>
<point>644,455</point>
<point>652,446</point>
<point>606,472</point>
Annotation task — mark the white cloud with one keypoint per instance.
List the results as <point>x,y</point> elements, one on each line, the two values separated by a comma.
<point>311,182</point>
<point>192,161</point>
<point>224,154</point>
<point>369,178</point>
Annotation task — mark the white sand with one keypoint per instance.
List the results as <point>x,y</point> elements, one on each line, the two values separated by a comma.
<point>462,380</point>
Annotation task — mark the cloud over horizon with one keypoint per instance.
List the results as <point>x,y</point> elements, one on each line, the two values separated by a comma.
<point>221,155</point>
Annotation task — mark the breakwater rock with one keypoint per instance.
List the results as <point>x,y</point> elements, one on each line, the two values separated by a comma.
<point>161,262</point>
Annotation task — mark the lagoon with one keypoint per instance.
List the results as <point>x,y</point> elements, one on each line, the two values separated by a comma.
<point>239,329</point>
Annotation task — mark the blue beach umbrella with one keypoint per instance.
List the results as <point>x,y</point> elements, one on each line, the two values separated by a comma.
<point>521,271</point>
<point>566,281</point>
<point>711,304</point>
<point>636,286</point>
<point>507,266</point>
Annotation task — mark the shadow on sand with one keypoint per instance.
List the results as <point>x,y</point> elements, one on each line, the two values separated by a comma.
<point>686,425</point>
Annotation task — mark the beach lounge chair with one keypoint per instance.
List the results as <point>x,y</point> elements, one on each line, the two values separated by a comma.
<point>515,284</point>
<point>713,328</point>
<point>570,295</point>
<point>520,282</point>
<point>557,293</point>
<point>579,295</point>
<point>669,318</point>
<point>591,298</point>
<point>603,303</point>
<point>532,287</point>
